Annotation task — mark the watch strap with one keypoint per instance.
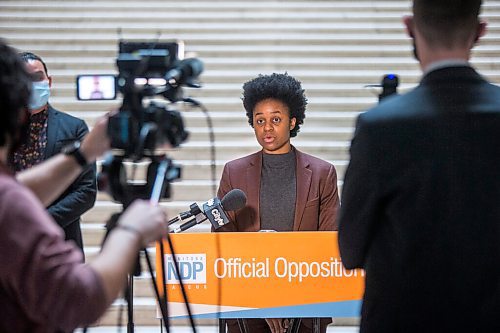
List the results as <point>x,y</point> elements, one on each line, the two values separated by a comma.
<point>80,159</point>
<point>73,149</point>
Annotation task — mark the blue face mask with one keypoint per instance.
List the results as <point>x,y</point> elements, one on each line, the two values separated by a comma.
<point>40,93</point>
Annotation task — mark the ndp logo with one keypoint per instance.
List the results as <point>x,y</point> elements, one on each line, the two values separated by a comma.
<point>192,268</point>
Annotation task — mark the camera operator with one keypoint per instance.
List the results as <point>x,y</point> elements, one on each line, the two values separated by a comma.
<point>44,287</point>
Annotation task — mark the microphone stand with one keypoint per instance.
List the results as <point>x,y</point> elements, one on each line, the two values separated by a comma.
<point>156,194</point>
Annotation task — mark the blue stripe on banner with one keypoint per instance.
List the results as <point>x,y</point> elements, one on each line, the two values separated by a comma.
<point>333,309</point>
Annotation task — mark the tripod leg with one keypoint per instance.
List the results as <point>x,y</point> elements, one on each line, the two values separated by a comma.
<point>130,302</point>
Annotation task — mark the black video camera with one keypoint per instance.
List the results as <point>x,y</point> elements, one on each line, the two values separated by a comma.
<point>145,70</point>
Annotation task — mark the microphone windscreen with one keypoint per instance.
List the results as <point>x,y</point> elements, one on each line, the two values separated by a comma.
<point>195,66</point>
<point>234,200</point>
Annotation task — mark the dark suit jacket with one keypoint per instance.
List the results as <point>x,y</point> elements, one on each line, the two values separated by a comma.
<point>421,207</point>
<point>316,205</point>
<point>63,129</point>
<point>317,196</point>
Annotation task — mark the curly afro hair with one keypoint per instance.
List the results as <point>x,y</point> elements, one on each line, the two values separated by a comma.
<point>282,87</point>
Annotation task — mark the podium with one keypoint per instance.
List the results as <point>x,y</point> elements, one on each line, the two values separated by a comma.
<point>260,275</point>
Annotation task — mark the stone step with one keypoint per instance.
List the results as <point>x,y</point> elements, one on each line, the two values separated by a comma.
<point>11,25</point>
<point>102,210</point>
<point>387,64</point>
<point>207,6</point>
<point>183,192</point>
<point>195,119</point>
<point>93,235</point>
<point>239,76</point>
<point>227,104</point>
<point>144,314</point>
<point>223,26</point>
<point>227,150</point>
<point>93,13</point>
<point>126,14</point>
<point>235,51</point>
<point>201,169</point>
<point>245,133</point>
<point>227,38</point>
<point>186,190</point>
<point>174,28</point>
<point>235,89</point>
<point>268,64</point>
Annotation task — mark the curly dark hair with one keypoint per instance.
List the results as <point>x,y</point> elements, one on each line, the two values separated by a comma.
<point>15,89</point>
<point>282,87</point>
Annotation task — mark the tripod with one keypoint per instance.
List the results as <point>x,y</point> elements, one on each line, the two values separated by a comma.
<point>113,180</point>
<point>160,174</point>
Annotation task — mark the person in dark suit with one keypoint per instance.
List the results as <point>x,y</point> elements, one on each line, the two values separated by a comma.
<point>421,197</point>
<point>49,132</point>
<point>286,189</point>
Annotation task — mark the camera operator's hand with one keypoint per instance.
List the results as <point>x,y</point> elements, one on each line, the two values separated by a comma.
<point>96,142</point>
<point>148,221</point>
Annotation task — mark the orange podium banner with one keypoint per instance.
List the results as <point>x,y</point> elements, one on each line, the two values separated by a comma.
<point>260,275</point>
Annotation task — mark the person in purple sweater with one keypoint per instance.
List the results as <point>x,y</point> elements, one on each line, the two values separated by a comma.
<point>44,287</point>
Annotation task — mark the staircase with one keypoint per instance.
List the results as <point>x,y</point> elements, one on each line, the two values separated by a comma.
<point>333,47</point>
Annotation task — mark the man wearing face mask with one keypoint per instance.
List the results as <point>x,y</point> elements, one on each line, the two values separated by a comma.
<point>50,132</point>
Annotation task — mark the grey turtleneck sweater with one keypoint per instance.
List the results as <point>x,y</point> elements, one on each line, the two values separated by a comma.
<point>278,191</point>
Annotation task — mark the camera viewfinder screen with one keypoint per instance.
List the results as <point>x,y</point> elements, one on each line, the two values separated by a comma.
<point>96,87</point>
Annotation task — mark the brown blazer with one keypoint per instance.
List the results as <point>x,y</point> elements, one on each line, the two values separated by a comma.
<point>316,207</point>
<point>317,200</point>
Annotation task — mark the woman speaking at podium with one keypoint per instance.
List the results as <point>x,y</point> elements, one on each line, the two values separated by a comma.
<point>287,190</point>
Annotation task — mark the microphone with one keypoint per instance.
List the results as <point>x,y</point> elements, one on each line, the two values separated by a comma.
<point>215,210</point>
<point>186,71</point>
<point>194,210</point>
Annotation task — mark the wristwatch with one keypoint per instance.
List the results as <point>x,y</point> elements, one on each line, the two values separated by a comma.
<point>73,149</point>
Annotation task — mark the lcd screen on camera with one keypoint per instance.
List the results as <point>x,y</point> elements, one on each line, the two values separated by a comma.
<point>96,87</point>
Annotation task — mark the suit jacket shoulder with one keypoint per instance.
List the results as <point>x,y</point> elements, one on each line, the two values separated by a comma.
<point>66,119</point>
<point>244,161</point>
<point>443,92</point>
<point>314,163</point>
<point>62,128</point>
